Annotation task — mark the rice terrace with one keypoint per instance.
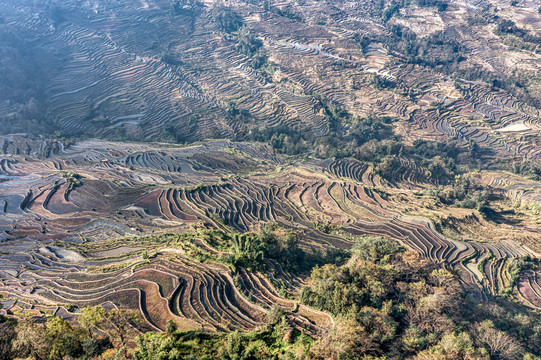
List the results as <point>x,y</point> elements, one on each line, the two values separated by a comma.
<point>265,179</point>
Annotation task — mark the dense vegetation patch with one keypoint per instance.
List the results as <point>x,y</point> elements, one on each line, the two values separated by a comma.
<point>276,340</point>
<point>250,250</point>
<point>388,302</point>
<point>100,333</point>
<point>227,19</point>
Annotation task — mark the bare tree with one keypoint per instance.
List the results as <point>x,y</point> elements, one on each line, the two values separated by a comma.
<point>499,344</point>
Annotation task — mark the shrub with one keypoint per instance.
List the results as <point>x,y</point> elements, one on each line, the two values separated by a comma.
<point>226,19</point>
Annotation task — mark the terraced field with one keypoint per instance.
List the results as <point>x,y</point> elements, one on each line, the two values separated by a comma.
<point>121,79</point>
<point>128,190</point>
<point>178,125</point>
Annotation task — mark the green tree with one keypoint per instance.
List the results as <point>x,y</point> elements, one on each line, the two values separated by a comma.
<point>7,335</point>
<point>32,341</point>
<point>61,337</point>
<point>226,19</point>
<point>118,324</point>
<point>92,318</point>
<point>451,347</point>
<point>170,327</point>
